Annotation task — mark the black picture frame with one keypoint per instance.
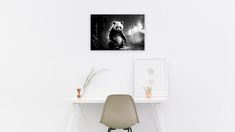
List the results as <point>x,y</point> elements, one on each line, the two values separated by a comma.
<point>117,32</point>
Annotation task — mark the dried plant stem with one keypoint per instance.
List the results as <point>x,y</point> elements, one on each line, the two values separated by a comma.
<point>86,82</point>
<point>90,78</point>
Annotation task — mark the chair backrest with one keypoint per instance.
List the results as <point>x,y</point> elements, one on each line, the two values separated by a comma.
<point>119,112</point>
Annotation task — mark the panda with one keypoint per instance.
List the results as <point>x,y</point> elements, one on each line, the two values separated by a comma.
<point>116,36</point>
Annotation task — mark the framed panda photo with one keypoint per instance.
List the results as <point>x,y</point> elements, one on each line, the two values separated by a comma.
<point>117,32</point>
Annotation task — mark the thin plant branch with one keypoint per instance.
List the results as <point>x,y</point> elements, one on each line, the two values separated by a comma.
<point>90,77</point>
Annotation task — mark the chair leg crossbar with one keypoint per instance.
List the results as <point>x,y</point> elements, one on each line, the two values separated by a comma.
<point>129,129</point>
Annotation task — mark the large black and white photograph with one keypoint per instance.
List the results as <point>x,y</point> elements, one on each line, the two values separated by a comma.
<point>117,32</point>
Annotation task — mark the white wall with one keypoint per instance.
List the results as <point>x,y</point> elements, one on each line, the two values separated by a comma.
<point>44,57</point>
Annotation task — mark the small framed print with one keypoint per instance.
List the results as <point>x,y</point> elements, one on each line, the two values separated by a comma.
<point>151,78</point>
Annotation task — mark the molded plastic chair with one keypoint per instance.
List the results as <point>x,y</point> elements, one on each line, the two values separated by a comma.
<point>119,112</point>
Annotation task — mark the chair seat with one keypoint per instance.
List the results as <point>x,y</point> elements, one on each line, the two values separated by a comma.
<point>119,112</point>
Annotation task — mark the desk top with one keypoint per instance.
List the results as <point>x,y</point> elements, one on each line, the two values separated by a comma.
<point>76,100</point>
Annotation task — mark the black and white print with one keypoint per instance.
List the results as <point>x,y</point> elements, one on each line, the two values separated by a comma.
<point>117,32</point>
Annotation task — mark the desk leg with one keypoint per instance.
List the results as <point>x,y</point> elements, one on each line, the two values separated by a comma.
<point>158,118</point>
<point>83,116</point>
<point>71,119</point>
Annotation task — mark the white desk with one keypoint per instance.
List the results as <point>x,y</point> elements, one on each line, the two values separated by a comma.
<point>153,102</point>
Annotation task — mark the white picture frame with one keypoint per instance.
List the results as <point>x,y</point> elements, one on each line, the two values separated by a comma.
<point>151,72</point>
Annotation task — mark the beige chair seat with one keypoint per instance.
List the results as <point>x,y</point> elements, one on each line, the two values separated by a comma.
<point>119,112</point>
